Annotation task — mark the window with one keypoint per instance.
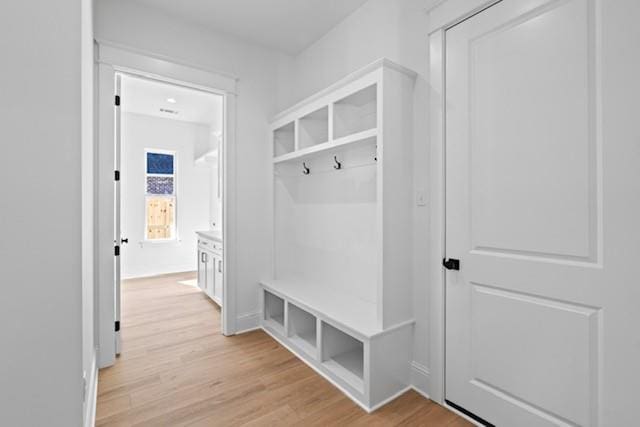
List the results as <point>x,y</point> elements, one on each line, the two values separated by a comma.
<point>160,195</point>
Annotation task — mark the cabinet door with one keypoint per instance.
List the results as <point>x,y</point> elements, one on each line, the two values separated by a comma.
<point>210,274</point>
<point>202,270</point>
<point>218,279</point>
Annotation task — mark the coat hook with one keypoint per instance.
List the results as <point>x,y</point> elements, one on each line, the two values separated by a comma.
<point>338,165</point>
<point>305,169</point>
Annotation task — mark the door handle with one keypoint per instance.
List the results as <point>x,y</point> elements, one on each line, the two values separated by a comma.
<point>451,264</point>
<point>125,240</point>
<point>219,266</point>
<point>203,257</point>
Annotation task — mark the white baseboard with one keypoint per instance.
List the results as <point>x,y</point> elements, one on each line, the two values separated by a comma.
<point>389,399</point>
<point>420,378</point>
<point>460,414</point>
<point>92,395</point>
<point>248,322</point>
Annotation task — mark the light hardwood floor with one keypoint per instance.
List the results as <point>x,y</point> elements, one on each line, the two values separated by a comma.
<point>177,369</point>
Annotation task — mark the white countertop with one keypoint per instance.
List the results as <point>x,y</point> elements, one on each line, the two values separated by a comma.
<point>211,234</point>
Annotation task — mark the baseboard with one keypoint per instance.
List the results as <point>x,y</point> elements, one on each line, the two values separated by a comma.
<point>247,322</point>
<point>420,378</point>
<point>462,415</point>
<point>92,395</point>
<point>389,399</point>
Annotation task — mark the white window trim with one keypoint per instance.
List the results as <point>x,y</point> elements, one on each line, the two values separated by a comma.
<point>175,237</point>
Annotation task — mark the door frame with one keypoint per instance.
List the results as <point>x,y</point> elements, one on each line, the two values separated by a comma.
<point>442,17</point>
<point>113,59</point>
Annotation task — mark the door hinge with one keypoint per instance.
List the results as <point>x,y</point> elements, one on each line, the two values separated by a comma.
<point>451,264</point>
<point>116,175</point>
<point>117,328</point>
<point>117,100</point>
<point>117,251</point>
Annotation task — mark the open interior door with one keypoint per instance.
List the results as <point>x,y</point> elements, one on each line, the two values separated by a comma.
<point>117,240</point>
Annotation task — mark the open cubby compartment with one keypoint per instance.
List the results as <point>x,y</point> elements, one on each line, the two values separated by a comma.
<point>356,113</point>
<point>284,139</point>
<point>303,329</point>
<point>343,355</point>
<point>313,129</point>
<point>274,311</point>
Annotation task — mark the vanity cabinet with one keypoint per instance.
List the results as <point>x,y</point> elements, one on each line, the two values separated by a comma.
<point>210,263</point>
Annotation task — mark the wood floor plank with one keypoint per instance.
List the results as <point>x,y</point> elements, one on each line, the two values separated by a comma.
<point>177,369</point>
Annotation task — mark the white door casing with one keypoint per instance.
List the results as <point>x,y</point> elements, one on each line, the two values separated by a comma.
<point>542,184</point>
<point>118,59</point>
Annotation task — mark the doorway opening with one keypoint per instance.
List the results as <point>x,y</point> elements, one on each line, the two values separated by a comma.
<point>169,142</point>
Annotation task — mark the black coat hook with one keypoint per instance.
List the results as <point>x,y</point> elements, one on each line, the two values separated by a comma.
<point>338,165</point>
<point>305,169</point>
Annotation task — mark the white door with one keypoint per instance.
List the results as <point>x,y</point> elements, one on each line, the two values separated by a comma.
<point>210,273</point>
<point>202,269</point>
<point>543,213</point>
<point>118,211</point>
<point>217,294</point>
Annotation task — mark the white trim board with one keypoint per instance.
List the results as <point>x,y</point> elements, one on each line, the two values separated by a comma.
<point>91,396</point>
<point>137,59</point>
<point>443,16</point>
<point>248,322</point>
<point>112,60</point>
<point>447,13</point>
<point>420,379</point>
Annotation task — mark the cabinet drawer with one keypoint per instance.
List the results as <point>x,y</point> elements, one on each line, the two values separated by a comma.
<point>209,244</point>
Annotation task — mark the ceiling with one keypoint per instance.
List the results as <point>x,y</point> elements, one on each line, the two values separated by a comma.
<point>148,97</point>
<point>285,25</point>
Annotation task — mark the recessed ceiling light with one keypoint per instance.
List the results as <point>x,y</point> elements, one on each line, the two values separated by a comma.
<point>171,100</point>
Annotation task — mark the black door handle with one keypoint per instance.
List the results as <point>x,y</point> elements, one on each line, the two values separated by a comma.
<point>124,240</point>
<point>451,264</point>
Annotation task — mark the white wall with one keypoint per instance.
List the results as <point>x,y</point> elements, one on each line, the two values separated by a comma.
<point>41,361</point>
<point>129,24</point>
<point>396,29</point>
<point>193,181</point>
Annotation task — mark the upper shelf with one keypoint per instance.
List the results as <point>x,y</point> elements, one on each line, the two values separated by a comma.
<point>319,98</point>
<point>356,113</point>
<point>347,120</point>
<point>345,113</point>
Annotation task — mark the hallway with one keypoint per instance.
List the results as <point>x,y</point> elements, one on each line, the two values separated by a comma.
<point>177,369</point>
